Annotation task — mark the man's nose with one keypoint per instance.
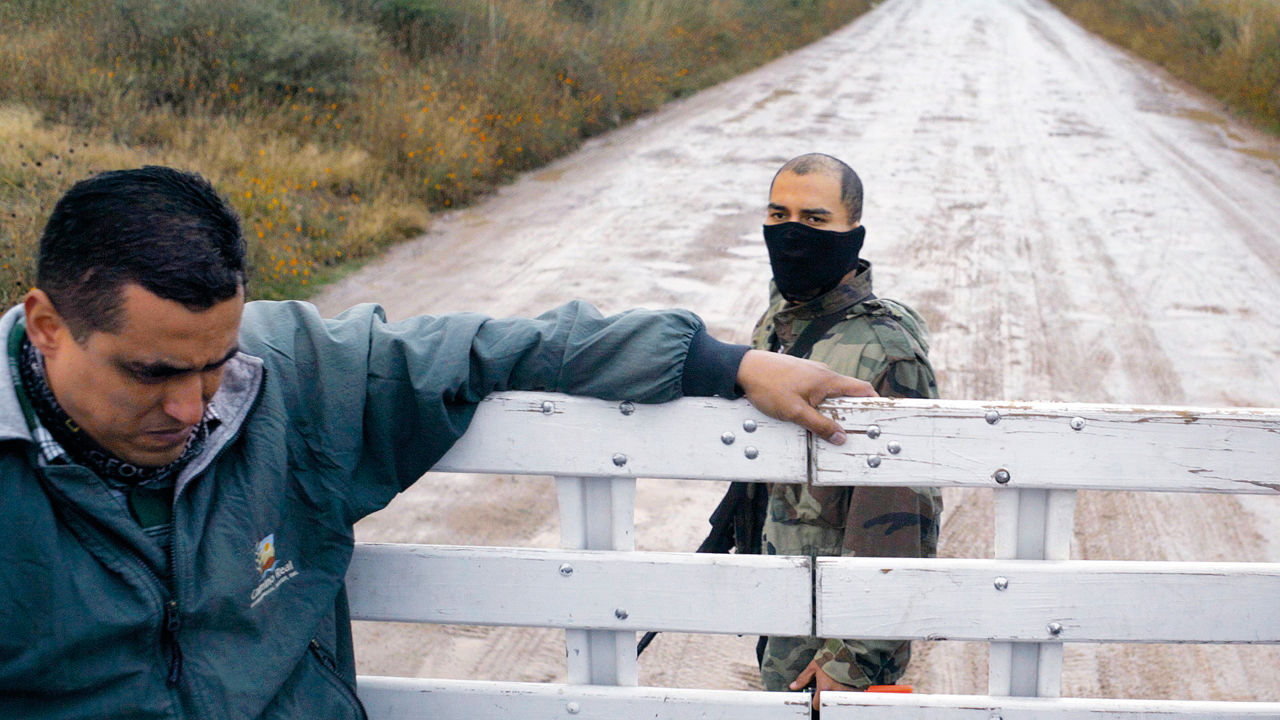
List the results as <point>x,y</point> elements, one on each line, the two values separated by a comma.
<point>184,399</point>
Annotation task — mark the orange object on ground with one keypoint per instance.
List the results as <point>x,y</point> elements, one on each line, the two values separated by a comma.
<point>891,688</point>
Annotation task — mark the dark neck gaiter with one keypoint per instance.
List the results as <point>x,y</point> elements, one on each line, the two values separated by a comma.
<point>808,262</point>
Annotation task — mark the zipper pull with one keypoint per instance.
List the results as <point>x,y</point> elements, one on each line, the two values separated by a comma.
<point>323,655</point>
<point>171,619</point>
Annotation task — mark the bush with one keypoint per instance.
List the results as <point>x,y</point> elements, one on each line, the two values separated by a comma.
<point>1229,48</point>
<point>192,49</point>
<point>422,27</point>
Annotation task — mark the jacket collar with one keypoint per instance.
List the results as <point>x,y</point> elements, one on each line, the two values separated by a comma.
<point>13,424</point>
<point>235,400</point>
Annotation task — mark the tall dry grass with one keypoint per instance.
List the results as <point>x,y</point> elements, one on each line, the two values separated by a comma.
<point>337,126</point>
<point>1230,48</point>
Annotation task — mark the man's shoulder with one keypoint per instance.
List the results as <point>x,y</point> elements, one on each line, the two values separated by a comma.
<point>271,323</point>
<point>268,314</point>
<point>888,329</point>
<point>899,328</point>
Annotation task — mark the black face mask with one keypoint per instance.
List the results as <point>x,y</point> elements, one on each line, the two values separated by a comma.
<point>808,262</point>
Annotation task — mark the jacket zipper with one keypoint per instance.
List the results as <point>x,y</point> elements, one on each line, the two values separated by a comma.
<point>172,614</point>
<point>332,666</point>
<point>320,653</point>
<point>172,622</point>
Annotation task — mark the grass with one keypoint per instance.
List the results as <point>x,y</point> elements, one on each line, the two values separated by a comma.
<point>1231,48</point>
<point>336,127</point>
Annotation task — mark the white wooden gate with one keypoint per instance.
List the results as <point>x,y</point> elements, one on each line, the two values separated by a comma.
<point>1026,603</point>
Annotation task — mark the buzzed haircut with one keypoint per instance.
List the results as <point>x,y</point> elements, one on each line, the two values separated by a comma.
<point>850,183</point>
<point>165,230</point>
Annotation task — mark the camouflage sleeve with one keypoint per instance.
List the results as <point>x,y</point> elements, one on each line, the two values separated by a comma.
<point>895,521</point>
<point>907,379</point>
<point>886,522</point>
<point>862,663</point>
<point>881,522</point>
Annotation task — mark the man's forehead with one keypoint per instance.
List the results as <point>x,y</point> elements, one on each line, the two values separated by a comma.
<point>816,183</point>
<point>154,329</point>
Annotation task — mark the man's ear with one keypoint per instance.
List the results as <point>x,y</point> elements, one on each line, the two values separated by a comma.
<point>45,326</point>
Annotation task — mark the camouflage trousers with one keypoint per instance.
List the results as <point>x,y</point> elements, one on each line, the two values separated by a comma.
<point>856,663</point>
<point>835,521</point>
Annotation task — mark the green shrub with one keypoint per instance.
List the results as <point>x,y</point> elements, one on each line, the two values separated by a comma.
<point>582,10</point>
<point>420,28</point>
<point>1230,48</point>
<point>14,11</point>
<point>193,49</point>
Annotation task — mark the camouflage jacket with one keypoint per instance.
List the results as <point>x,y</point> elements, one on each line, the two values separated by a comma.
<point>885,343</point>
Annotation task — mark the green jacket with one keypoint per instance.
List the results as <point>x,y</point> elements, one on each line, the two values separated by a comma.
<point>885,343</point>
<point>323,422</point>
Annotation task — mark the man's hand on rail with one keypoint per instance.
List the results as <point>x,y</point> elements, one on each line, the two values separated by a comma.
<point>821,681</point>
<point>789,388</point>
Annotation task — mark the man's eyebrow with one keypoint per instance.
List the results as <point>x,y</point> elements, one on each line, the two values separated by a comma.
<point>162,370</point>
<point>803,211</point>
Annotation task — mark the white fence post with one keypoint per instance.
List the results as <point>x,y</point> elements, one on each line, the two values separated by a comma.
<point>599,514</point>
<point>1030,525</point>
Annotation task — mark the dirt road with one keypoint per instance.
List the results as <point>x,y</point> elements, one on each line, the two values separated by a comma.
<point>1073,224</point>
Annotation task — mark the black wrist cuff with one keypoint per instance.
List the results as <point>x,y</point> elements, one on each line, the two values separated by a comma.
<point>711,367</point>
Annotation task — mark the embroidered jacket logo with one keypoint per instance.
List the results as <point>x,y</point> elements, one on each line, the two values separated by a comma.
<point>266,554</point>
<point>270,573</point>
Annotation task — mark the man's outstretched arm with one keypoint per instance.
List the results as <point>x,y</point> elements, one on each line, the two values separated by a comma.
<point>403,392</point>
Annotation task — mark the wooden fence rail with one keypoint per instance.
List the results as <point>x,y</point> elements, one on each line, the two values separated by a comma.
<point>1026,602</point>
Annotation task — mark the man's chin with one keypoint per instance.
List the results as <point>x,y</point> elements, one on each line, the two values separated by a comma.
<point>151,454</point>
<point>801,298</point>
<point>152,460</point>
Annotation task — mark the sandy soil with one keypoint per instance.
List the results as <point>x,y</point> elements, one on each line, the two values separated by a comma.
<point>1074,225</point>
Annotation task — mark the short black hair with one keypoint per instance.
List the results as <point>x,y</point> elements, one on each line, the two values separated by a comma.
<point>165,230</point>
<point>850,183</point>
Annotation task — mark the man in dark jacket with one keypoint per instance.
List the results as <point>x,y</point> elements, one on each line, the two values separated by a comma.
<point>180,471</point>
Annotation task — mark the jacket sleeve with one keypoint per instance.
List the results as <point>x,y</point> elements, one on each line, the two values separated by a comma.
<point>378,403</point>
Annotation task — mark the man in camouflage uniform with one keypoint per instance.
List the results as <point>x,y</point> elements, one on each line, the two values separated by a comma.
<point>821,307</point>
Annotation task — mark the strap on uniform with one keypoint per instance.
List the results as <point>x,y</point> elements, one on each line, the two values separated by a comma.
<point>814,331</point>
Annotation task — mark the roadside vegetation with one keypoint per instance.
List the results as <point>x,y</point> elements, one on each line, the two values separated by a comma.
<point>1231,48</point>
<point>337,126</point>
